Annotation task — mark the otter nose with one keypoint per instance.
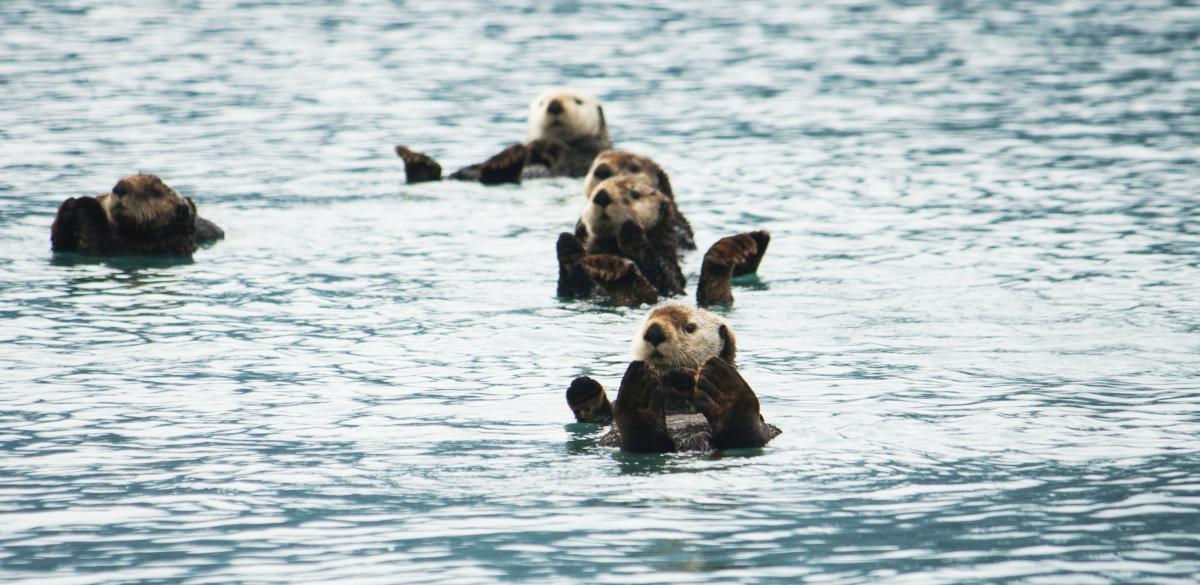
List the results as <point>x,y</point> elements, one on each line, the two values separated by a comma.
<point>655,335</point>
<point>555,107</point>
<point>602,199</point>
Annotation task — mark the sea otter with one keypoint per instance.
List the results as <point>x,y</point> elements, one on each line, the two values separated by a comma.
<point>618,163</point>
<point>566,131</point>
<point>141,215</point>
<point>683,362</point>
<point>626,244</point>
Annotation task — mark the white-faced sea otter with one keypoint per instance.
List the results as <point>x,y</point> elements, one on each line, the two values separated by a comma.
<point>626,244</point>
<point>566,131</point>
<point>683,363</point>
<point>622,164</point>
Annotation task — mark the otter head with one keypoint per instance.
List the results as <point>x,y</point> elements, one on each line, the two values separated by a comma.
<point>617,200</point>
<point>678,336</point>
<point>566,115</point>
<point>143,203</point>
<point>616,163</point>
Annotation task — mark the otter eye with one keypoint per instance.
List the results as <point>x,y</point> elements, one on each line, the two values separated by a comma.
<point>691,328</point>
<point>578,102</point>
<point>603,172</point>
<point>120,189</point>
<point>635,194</point>
<point>634,169</point>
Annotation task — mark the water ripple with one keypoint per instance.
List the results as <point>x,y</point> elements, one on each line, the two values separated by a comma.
<point>977,324</point>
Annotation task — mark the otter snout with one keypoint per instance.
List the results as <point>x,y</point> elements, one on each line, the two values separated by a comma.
<point>602,199</point>
<point>554,108</point>
<point>654,335</point>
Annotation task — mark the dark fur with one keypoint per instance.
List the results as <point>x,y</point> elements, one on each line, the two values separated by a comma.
<point>655,254</point>
<point>730,409</point>
<point>536,159</point>
<point>81,225</point>
<point>729,257</point>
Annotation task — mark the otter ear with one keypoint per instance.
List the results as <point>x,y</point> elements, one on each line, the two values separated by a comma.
<point>664,184</point>
<point>728,345</point>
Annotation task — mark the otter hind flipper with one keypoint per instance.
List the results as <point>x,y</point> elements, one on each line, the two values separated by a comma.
<point>81,226</point>
<point>573,281</point>
<point>729,257</point>
<point>638,414</point>
<point>620,278</point>
<point>418,167</point>
<point>731,407</point>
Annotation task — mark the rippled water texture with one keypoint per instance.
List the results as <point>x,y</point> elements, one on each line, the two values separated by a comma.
<point>978,322</point>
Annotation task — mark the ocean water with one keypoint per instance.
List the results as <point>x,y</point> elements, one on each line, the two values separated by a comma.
<point>978,324</point>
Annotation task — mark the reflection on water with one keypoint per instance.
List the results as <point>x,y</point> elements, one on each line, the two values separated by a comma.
<point>977,323</point>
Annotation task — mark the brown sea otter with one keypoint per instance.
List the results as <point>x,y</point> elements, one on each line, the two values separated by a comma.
<point>683,362</point>
<point>626,244</point>
<point>141,215</point>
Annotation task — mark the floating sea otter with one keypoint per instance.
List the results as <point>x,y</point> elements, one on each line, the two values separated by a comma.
<point>566,132</point>
<point>626,244</point>
<point>622,164</point>
<point>142,215</point>
<point>683,363</point>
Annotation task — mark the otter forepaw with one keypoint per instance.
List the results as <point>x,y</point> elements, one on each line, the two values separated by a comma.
<point>631,239</point>
<point>639,412</point>
<point>418,167</point>
<point>730,406</point>
<point>504,167</point>
<point>620,278</point>
<point>588,401</point>
<point>682,380</point>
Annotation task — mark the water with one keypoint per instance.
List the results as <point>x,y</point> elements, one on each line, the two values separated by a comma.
<point>978,322</point>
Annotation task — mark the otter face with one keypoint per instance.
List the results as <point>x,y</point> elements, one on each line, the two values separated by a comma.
<point>615,163</point>
<point>617,200</point>
<point>565,115</point>
<point>678,336</point>
<point>142,202</point>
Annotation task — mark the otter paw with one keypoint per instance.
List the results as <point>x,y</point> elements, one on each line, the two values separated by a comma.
<point>631,239</point>
<point>504,167</point>
<point>588,401</point>
<point>639,412</point>
<point>418,167</point>
<point>682,380</point>
<point>546,152</point>
<point>620,278</point>
<point>729,257</point>
<point>730,406</point>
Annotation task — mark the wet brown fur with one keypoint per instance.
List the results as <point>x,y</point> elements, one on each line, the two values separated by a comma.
<point>141,215</point>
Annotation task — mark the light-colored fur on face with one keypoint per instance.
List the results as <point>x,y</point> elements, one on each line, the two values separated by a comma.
<point>141,202</point>
<point>692,336</point>
<point>581,116</point>
<point>617,163</point>
<point>630,199</point>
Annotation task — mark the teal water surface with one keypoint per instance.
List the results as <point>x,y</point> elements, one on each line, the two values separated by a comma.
<point>978,322</point>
